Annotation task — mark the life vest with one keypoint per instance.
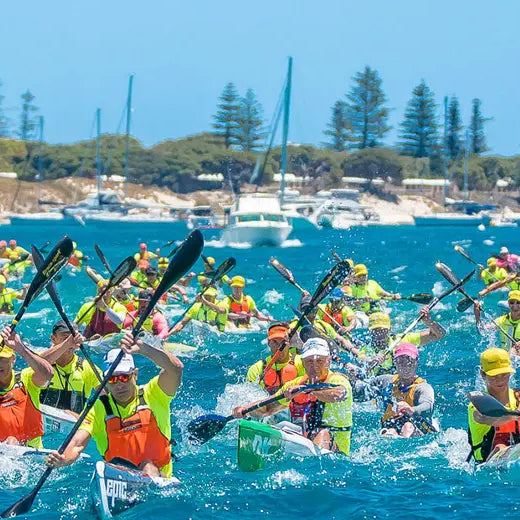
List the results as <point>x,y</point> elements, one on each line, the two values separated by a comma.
<point>19,418</point>
<point>67,397</point>
<point>74,260</point>
<point>366,290</point>
<point>136,438</point>
<point>243,306</point>
<point>6,301</point>
<point>338,316</point>
<point>207,315</point>
<point>507,434</point>
<point>274,379</point>
<point>396,392</point>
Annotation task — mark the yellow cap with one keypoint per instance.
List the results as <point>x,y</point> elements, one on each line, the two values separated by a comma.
<point>491,261</point>
<point>102,283</point>
<point>514,295</point>
<point>238,281</point>
<point>496,361</point>
<point>202,279</point>
<point>211,292</point>
<point>379,320</point>
<point>6,352</point>
<point>210,260</point>
<point>163,261</point>
<point>360,269</point>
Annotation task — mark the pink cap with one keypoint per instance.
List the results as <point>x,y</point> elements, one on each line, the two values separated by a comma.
<point>12,243</point>
<point>142,245</point>
<point>3,243</point>
<point>406,349</point>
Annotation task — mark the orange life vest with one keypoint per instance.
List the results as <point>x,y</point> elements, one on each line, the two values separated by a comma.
<point>136,438</point>
<point>19,418</point>
<point>338,316</point>
<point>274,379</point>
<point>73,260</point>
<point>240,307</point>
<point>400,393</point>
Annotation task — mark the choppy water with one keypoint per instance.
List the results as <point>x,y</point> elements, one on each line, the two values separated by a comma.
<point>382,479</point>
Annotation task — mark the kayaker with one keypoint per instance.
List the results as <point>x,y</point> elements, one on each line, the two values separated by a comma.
<point>341,312</point>
<point>144,254</point>
<point>104,317</point>
<point>325,416</point>
<point>408,399</point>
<point>509,322</point>
<point>507,260</point>
<point>20,417</point>
<point>74,378</point>
<point>206,310</point>
<point>4,250</point>
<point>151,281</point>
<point>209,270</point>
<point>286,368</point>
<point>131,424</point>
<point>155,323</point>
<point>379,325</point>
<point>366,294</point>
<point>138,276</point>
<point>15,268</point>
<point>492,273</point>
<point>488,435</point>
<point>240,306</point>
<point>19,251</point>
<point>77,258</point>
<point>123,295</point>
<point>8,294</point>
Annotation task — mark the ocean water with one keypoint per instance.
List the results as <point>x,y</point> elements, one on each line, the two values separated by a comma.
<point>383,478</point>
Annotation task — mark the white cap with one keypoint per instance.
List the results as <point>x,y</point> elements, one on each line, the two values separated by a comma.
<point>504,249</point>
<point>125,366</point>
<point>315,347</point>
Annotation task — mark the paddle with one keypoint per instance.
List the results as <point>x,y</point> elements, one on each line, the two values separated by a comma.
<point>51,266</point>
<point>331,280</point>
<point>412,325</point>
<point>53,293</point>
<point>185,257</point>
<point>225,267</point>
<point>335,255</point>
<point>205,427</point>
<point>422,298</point>
<point>451,277</point>
<point>489,406</point>
<point>103,258</point>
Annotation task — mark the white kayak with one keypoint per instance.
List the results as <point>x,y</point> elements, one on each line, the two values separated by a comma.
<point>56,420</point>
<point>114,489</point>
<point>17,452</point>
<point>503,459</point>
<point>260,444</point>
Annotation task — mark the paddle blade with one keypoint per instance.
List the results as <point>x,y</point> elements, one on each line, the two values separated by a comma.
<point>102,257</point>
<point>488,405</point>
<point>464,304</point>
<point>463,252</point>
<point>204,428</point>
<point>280,268</point>
<point>21,507</point>
<point>447,273</point>
<point>331,280</point>
<point>222,270</point>
<point>186,255</point>
<point>422,298</point>
<point>335,255</point>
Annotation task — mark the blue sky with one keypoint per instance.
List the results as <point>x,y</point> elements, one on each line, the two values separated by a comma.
<point>77,56</point>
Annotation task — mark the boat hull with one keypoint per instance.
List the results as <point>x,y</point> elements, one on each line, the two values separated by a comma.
<point>452,220</point>
<point>260,444</point>
<point>115,489</point>
<point>57,421</point>
<point>257,235</point>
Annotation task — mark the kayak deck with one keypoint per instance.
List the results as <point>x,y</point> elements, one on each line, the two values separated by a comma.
<point>56,420</point>
<point>503,459</point>
<point>114,489</point>
<point>260,444</point>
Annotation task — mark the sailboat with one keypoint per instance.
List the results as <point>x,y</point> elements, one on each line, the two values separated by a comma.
<point>257,218</point>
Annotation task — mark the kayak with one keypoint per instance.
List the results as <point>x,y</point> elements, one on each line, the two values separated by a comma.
<point>17,452</point>
<point>56,420</point>
<point>260,444</point>
<point>114,489</point>
<point>179,348</point>
<point>503,459</point>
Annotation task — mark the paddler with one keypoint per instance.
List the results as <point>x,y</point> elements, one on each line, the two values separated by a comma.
<point>488,435</point>
<point>209,270</point>
<point>131,424</point>
<point>15,268</point>
<point>379,325</point>
<point>20,417</point>
<point>19,251</point>
<point>339,311</point>
<point>7,295</point>
<point>155,323</point>
<point>206,310</point>
<point>4,250</point>
<point>407,398</point>
<point>492,273</point>
<point>151,281</point>
<point>77,258</point>
<point>74,378</point>
<point>138,276</point>
<point>366,294</point>
<point>507,260</point>
<point>325,416</point>
<point>241,307</point>
<point>144,254</point>
<point>106,316</point>
<point>287,367</point>
<point>509,322</point>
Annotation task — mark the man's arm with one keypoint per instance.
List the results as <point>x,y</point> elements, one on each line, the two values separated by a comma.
<point>75,448</point>
<point>53,353</point>
<point>435,330</point>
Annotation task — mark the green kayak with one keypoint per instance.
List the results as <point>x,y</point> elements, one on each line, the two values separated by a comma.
<point>260,444</point>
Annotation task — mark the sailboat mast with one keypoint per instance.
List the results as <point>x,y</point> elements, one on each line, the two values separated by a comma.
<point>445,150</point>
<point>128,120</point>
<point>466,161</point>
<point>40,163</point>
<point>98,154</point>
<point>286,113</point>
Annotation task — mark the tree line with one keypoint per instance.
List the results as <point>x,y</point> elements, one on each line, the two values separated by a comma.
<point>26,126</point>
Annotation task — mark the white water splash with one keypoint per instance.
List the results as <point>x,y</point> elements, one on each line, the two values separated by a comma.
<point>289,477</point>
<point>294,242</point>
<point>235,395</point>
<point>438,288</point>
<point>398,269</point>
<point>272,296</point>
<point>488,242</point>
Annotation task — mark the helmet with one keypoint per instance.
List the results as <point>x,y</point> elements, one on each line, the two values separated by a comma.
<point>336,294</point>
<point>12,243</point>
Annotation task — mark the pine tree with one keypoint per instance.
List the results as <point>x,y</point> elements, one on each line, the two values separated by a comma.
<point>454,137</point>
<point>249,122</point>
<point>365,110</point>
<point>227,115</point>
<point>4,121</point>
<point>339,129</point>
<point>419,127</point>
<point>27,119</point>
<point>476,128</point>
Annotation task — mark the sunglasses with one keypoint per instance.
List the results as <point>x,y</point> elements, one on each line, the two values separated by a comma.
<point>124,378</point>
